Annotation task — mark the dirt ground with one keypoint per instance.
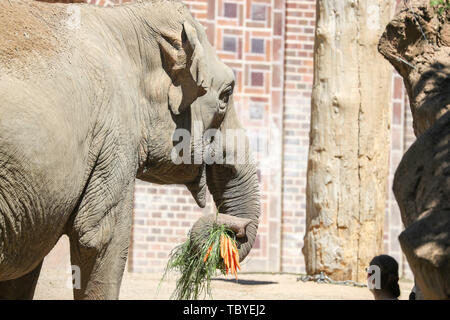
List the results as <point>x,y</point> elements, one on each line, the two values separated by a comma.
<point>55,278</point>
<point>26,29</point>
<point>249,287</point>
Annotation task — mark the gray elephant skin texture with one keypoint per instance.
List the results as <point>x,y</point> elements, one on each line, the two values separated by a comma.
<point>85,110</point>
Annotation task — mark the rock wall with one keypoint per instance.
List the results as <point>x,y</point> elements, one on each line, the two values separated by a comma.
<point>417,43</point>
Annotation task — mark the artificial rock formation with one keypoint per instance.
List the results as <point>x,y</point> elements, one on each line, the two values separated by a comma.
<point>422,190</point>
<point>417,43</point>
<point>349,139</point>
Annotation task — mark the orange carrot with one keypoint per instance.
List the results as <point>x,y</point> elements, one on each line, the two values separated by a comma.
<point>222,245</point>
<point>236,258</point>
<point>225,250</point>
<point>225,256</point>
<point>207,254</point>
<point>230,254</point>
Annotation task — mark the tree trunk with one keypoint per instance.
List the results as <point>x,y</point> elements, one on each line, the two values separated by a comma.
<point>349,139</point>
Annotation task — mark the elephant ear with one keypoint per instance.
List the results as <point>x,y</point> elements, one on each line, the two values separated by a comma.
<point>197,67</point>
<point>185,63</point>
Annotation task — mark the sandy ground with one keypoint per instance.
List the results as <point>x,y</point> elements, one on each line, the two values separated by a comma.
<point>53,285</point>
<point>249,287</point>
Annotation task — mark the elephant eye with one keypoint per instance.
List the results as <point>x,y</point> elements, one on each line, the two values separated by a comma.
<point>225,95</point>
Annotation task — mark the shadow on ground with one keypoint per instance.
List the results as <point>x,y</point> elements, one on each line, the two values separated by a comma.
<point>246,282</point>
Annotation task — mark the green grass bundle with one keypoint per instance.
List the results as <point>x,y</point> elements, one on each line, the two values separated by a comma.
<point>198,261</point>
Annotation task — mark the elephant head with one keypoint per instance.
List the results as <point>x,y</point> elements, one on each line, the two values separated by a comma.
<point>199,141</point>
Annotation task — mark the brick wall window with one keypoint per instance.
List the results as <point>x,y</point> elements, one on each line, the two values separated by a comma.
<point>256,111</point>
<point>253,140</point>
<point>257,46</point>
<point>258,12</point>
<point>229,44</point>
<point>258,142</point>
<point>230,10</point>
<point>257,79</point>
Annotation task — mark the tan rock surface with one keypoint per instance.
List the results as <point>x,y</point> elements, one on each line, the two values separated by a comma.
<point>416,42</point>
<point>422,190</point>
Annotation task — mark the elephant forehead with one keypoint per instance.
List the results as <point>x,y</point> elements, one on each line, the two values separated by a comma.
<point>221,75</point>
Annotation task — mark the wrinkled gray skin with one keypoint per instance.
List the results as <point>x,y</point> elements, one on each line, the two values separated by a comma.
<point>72,144</point>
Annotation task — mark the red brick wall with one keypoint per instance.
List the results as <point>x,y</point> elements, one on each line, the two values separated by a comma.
<point>299,45</point>
<point>269,44</point>
<point>402,136</point>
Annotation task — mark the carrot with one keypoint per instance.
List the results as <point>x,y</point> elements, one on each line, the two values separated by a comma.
<point>230,254</point>
<point>228,247</point>
<point>225,256</point>
<point>225,249</point>
<point>222,245</point>
<point>236,258</point>
<point>207,254</point>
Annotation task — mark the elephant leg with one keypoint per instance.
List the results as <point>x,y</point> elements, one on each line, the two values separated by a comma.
<point>21,288</point>
<point>99,255</point>
<point>100,270</point>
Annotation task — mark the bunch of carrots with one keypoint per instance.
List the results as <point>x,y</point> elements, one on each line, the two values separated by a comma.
<point>229,254</point>
<point>197,260</point>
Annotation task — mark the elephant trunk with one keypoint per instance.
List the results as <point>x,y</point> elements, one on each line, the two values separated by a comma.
<point>235,191</point>
<point>233,182</point>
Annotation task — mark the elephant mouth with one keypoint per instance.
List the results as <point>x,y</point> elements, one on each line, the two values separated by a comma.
<point>198,187</point>
<point>200,229</point>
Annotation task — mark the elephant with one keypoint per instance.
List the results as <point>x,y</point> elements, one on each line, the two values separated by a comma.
<point>88,107</point>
